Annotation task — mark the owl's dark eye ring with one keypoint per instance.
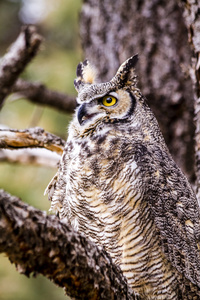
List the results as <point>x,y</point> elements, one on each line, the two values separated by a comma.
<point>108,100</point>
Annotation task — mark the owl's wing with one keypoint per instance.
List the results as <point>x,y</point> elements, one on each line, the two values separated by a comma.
<point>56,188</point>
<point>180,239</point>
<point>177,215</point>
<point>51,187</point>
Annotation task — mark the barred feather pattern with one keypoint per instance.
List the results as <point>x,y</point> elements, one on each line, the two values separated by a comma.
<point>118,184</point>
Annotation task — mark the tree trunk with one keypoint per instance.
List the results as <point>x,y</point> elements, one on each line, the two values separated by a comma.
<point>112,31</point>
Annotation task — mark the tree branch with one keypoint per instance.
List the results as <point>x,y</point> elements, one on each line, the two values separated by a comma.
<point>39,94</point>
<point>30,138</point>
<point>13,64</point>
<point>15,61</point>
<point>41,157</point>
<point>38,243</point>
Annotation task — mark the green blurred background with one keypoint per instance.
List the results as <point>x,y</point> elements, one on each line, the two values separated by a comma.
<point>54,66</point>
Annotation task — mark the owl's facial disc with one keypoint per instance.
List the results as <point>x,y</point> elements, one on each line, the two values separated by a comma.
<point>98,106</point>
<point>84,114</point>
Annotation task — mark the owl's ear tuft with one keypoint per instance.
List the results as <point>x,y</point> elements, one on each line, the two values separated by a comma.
<point>86,74</point>
<point>125,76</point>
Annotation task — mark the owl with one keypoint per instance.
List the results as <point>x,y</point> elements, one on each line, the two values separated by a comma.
<point>118,184</point>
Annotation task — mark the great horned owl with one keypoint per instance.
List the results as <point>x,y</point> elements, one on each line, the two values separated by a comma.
<point>118,184</point>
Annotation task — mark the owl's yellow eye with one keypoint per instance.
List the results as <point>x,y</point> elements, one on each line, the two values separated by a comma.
<point>109,100</point>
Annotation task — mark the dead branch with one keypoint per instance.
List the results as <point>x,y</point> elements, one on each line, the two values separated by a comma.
<point>14,62</point>
<point>38,243</point>
<point>39,94</point>
<point>34,156</point>
<point>30,138</point>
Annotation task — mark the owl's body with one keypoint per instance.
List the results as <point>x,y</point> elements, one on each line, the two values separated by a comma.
<point>118,184</point>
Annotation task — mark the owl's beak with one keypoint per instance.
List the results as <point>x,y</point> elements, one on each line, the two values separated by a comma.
<point>83,114</point>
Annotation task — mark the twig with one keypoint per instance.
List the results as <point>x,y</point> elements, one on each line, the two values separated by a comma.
<point>41,157</point>
<point>38,93</point>
<point>19,55</point>
<point>30,138</point>
<point>38,243</point>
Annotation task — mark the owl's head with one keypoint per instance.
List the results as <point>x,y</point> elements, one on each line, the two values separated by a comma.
<point>110,101</point>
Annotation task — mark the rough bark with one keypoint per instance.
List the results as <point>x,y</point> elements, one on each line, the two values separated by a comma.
<point>111,31</point>
<point>30,138</point>
<point>192,20</point>
<point>14,62</point>
<point>38,243</point>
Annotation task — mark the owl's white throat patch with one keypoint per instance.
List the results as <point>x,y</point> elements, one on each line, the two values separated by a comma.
<point>87,118</point>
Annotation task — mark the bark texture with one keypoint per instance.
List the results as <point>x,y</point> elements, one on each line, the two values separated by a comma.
<point>192,20</point>
<point>14,62</point>
<point>42,244</point>
<point>112,31</point>
<point>30,138</point>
